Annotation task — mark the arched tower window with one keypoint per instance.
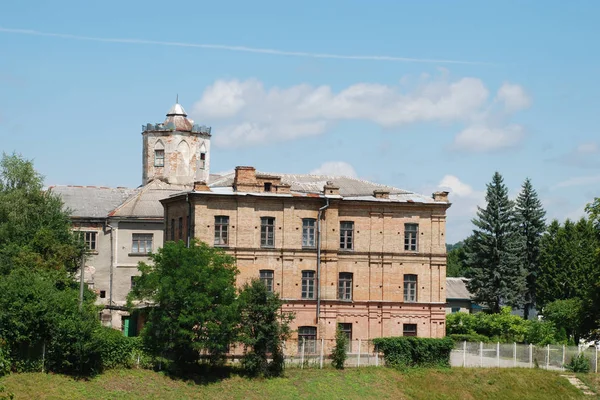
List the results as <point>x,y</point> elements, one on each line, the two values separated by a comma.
<point>202,164</point>
<point>159,154</point>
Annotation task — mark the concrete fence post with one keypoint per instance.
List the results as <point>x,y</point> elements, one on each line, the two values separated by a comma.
<point>514,354</point>
<point>530,355</point>
<point>481,354</point>
<point>596,360</point>
<point>302,357</point>
<point>563,359</point>
<point>358,360</point>
<point>498,354</point>
<point>548,357</point>
<point>321,355</point>
<point>464,353</point>
<point>376,357</point>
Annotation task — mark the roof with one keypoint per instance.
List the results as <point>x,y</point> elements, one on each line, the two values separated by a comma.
<point>145,202</point>
<point>456,289</point>
<point>91,201</point>
<point>350,188</point>
<point>177,109</point>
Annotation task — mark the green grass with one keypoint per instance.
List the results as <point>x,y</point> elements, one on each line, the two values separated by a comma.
<point>355,383</point>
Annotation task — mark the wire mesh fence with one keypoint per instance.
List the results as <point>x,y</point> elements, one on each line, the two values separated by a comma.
<point>505,355</point>
<point>316,353</point>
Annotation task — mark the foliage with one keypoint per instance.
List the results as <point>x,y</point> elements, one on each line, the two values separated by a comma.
<point>494,251</point>
<point>503,327</point>
<point>566,315</point>
<point>35,231</point>
<point>469,337</point>
<point>5,361</point>
<point>579,363</point>
<point>5,395</point>
<point>532,224</point>
<point>192,296</point>
<point>263,329</point>
<point>456,260</point>
<point>339,354</point>
<point>116,349</point>
<point>591,302</point>
<point>408,351</point>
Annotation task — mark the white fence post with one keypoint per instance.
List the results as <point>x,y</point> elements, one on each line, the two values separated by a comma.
<point>514,354</point>
<point>481,354</point>
<point>563,359</point>
<point>530,355</point>
<point>302,359</point>
<point>548,357</point>
<point>464,353</point>
<point>596,360</point>
<point>321,358</point>
<point>498,354</point>
<point>358,361</point>
<point>376,357</point>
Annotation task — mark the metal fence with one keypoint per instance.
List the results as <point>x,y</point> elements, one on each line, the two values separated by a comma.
<point>503,355</point>
<point>317,353</point>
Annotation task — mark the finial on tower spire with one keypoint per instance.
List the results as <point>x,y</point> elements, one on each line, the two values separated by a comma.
<point>177,99</point>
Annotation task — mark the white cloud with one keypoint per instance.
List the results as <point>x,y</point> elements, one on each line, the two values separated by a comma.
<point>578,181</point>
<point>584,155</point>
<point>588,148</point>
<point>335,168</point>
<point>482,138</point>
<point>455,186</point>
<point>513,97</point>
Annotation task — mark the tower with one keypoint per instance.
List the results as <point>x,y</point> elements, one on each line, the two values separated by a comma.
<point>177,150</point>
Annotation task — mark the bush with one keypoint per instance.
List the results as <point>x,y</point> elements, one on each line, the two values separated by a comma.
<point>469,337</point>
<point>116,350</point>
<point>5,362</point>
<point>339,354</point>
<point>402,352</point>
<point>580,363</point>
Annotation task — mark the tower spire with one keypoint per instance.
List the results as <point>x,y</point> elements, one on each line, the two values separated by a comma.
<point>177,99</point>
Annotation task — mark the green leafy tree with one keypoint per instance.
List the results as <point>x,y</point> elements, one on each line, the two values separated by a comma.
<point>456,261</point>
<point>532,224</point>
<point>339,353</point>
<point>35,230</point>
<point>494,251</point>
<point>566,315</point>
<point>591,302</point>
<point>192,303</point>
<point>264,327</point>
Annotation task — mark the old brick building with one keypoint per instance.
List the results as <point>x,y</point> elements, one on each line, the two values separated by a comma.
<point>338,250</point>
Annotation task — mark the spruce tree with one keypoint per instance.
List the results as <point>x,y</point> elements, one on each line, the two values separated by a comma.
<point>532,224</point>
<point>494,251</point>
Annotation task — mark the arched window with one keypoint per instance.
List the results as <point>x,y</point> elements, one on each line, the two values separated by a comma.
<point>159,154</point>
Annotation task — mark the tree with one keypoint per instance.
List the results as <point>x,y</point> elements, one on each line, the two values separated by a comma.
<point>192,302</point>
<point>264,327</point>
<point>35,230</point>
<point>532,224</point>
<point>456,260</point>
<point>494,251</point>
<point>339,354</point>
<point>566,315</point>
<point>591,303</point>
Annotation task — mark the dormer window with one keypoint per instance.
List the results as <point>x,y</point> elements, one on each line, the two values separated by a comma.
<point>268,186</point>
<point>159,158</point>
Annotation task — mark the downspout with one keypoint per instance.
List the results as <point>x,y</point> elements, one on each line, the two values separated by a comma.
<point>319,257</point>
<point>112,264</point>
<point>189,220</point>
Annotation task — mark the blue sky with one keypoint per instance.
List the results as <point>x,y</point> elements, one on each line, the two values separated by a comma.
<point>420,95</point>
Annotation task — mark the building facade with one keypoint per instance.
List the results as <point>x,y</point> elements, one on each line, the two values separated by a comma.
<point>339,251</point>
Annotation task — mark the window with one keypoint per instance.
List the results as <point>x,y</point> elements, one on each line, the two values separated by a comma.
<point>308,284</point>
<point>268,186</point>
<point>410,237</point>
<point>455,309</point>
<point>308,232</point>
<point>409,330</point>
<point>172,229</point>
<point>410,288</point>
<point>307,335</point>
<point>221,229</point>
<point>90,239</point>
<point>141,243</point>
<point>180,227</point>
<point>346,328</point>
<point>266,276</point>
<point>103,294</point>
<point>346,233</point>
<point>267,232</point>
<point>345,286</point>
<point>202,160</point>
<point>159,158</point>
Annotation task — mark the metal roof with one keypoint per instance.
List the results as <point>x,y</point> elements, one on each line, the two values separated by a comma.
<point>456,289</point>
<point>177,109</point>
<point>91,201</point>
<point>145,203</point>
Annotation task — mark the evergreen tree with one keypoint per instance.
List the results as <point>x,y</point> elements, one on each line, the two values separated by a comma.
<point>532,225</point>
<point>494,251</point>
<point>456,260</point>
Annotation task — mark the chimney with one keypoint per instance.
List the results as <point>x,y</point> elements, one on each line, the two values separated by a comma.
<point>381,193</point>
<point>440,196</point>
<point>330,189</point>
<point>245,179</point>
<point>200,186</point>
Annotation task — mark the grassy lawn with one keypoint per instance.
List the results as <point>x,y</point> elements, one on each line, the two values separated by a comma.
<point>355,383</point>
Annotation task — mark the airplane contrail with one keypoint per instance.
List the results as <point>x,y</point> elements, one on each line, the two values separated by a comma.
<point>244,49</point>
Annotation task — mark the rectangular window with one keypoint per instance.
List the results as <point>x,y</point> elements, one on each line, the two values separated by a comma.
<point>103,294</point>
<point>346,328</point>
<point>307,336</point>
<point>221,230</point>
<point>455,309</point>
<point>180,228</point>
<point>308,232</point>
<point>411,232</point>
<point>159,158</point>
<point>410,288</point>
<point>267,232</point>
<point>90,239</point>
<point>202,163</point>
<point>266,276</point>
<point>308,284</point>
<point>172,230</point>
<point>141,243</point>
<point>268,186</point>
<point>409,330</point>
<point>345,286</point>
<point>346,234</point>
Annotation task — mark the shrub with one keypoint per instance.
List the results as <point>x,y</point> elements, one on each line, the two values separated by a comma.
<point>469,337</point>
<point>339,354</point>
<point>402,352</point>
<point>116,350</point>
<point>5,362</point>
<point>579,363</point>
